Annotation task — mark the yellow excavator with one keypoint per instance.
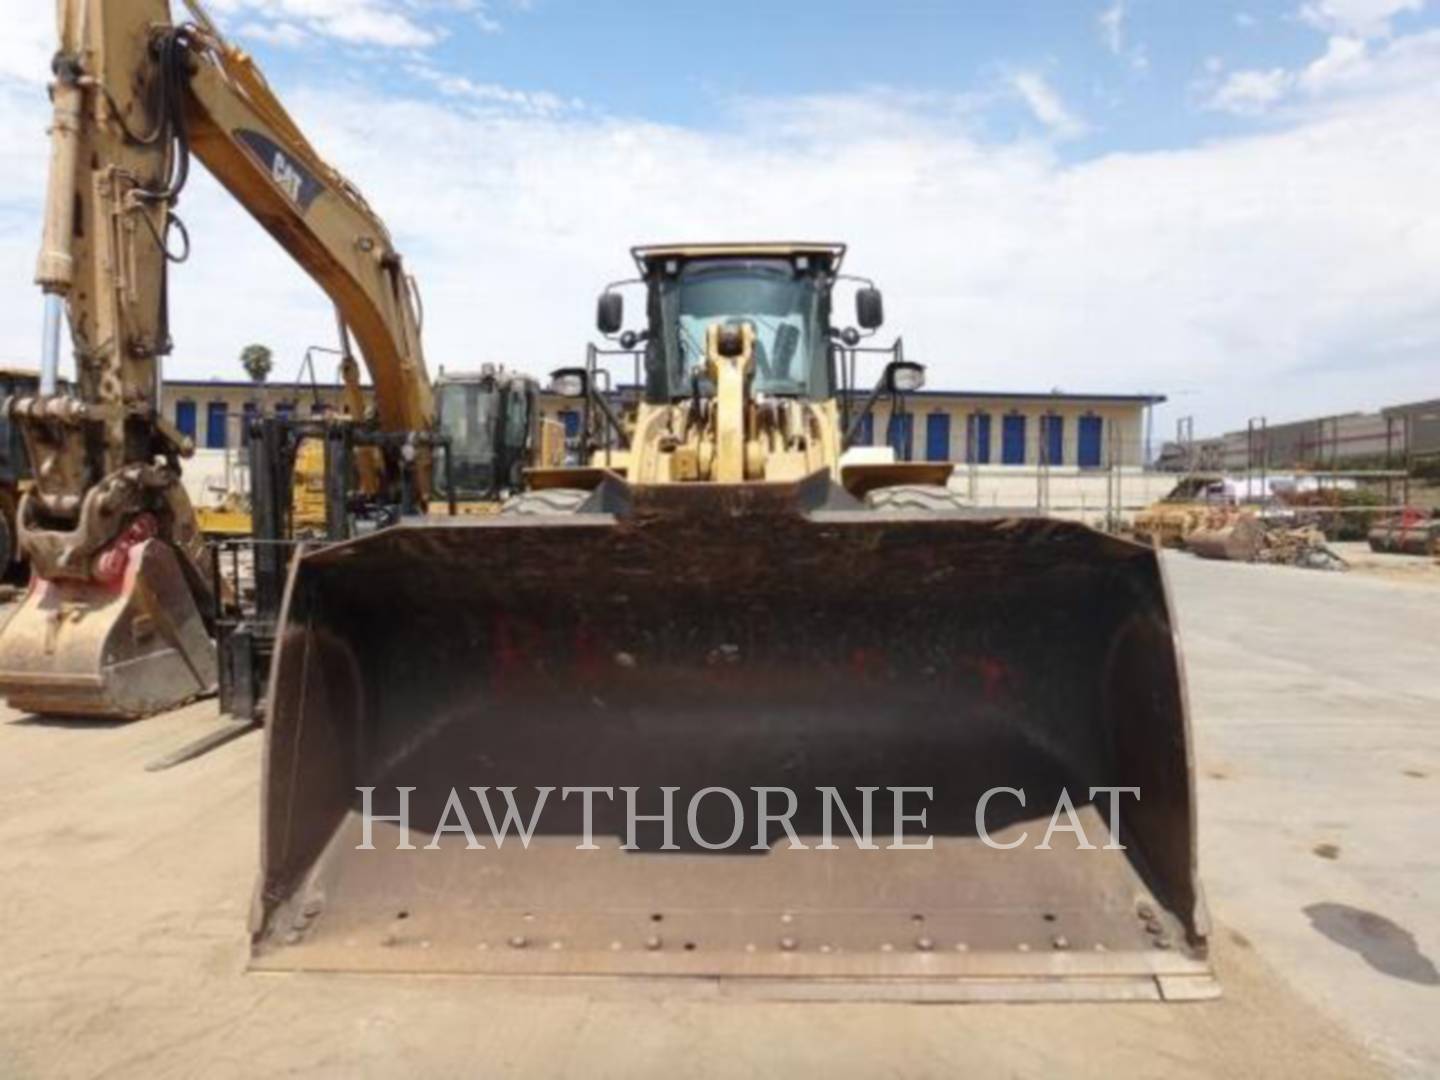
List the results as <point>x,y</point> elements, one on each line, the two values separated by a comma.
<point>118,620</point>
<point>768,710</point>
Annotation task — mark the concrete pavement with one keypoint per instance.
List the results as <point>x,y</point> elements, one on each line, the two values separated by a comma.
<point>123,897</point>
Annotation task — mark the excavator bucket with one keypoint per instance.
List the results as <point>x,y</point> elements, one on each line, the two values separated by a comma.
<point>122,648</point>
<point>950,701</point>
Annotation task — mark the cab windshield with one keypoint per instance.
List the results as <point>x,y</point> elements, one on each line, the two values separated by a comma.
<point>469,414</point>
<point>783,305</point>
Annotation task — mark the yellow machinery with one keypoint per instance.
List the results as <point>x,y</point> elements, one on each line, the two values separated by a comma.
<point>307,500</point>
<point>715,609</point>
<point>493,420</point>
<point>117,621</point>
<point>1228,532</point>
<point>716,613</point>
<point>1171,520</point>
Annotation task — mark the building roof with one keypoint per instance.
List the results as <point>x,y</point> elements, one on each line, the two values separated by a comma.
<point>1430,406</point>
<point>246,384</point>
<point>1031,395</point>
<point>198,385</point>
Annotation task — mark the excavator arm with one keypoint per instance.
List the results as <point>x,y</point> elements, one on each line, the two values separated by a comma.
<point>116,621</point>
<point>245,138</point>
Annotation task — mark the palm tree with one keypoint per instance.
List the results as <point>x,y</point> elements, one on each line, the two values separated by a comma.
<point>257,362</point>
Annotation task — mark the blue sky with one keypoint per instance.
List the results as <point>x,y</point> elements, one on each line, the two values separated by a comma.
<point>1136,75</point>
<point>1232,204</point>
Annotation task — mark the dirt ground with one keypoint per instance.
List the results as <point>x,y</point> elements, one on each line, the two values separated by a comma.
<point>1409,569</point>
<point>124,893</point>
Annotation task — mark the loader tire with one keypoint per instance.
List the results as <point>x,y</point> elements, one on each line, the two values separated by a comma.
<point>548,501</point>
<point>931,498</point>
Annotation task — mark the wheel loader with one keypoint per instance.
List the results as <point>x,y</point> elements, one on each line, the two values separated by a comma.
<point>788,723</point>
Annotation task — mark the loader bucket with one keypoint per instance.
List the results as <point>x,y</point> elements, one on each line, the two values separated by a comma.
<point>1237,538</point>
<point>766,636</point>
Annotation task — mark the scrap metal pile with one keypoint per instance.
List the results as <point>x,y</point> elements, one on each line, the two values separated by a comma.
<point>1305,546</point>
<point>1244,536</point>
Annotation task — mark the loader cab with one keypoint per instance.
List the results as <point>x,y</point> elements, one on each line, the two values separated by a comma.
<point>491,419</point>
<point>782,290</point>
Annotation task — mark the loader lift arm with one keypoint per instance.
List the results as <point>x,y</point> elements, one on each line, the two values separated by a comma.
<point>136,94</point>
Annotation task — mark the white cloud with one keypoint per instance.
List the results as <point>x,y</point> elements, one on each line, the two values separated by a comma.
<point>1046,105</point>
<point>495,96</point>
<point>386,23</point>
<point>1285,273</point>
<point>1111,22</point>
<point>1349,68</point>
<point>1361,18</point>
<point>1344,57</point>
<point>1249,93</point>
<point>284,34</point>
<point>1112,27</point>
<point>26,47</point>
<point>1245,20</point>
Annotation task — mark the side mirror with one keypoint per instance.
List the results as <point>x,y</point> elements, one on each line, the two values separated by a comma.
<point>869,308</point>
<point>905,376</point>
<point>610,312</point>
<point>568,382</point>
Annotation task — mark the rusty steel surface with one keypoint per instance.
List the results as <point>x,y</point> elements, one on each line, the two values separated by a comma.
<point>1169,524</point>
<point>1406,537</point>
<point>1237,537</point>
<point>736,636</point>
<point>125,648</point>
<point>560,476</point>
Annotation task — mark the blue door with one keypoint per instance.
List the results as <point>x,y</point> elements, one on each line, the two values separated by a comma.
<point>900,434</point>
<point>1089,448</point>
<point>571,419</point>
<point>185,417</point>
<point>977,438</point>
<point>251,411</point>
<point>866,435</point>
<point>1054,429</point>
<point>216,414</point>
<point>937,437</point>
<point>1012,441</point>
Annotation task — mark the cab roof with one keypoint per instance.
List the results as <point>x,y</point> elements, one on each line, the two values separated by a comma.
<point>647,255</point>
